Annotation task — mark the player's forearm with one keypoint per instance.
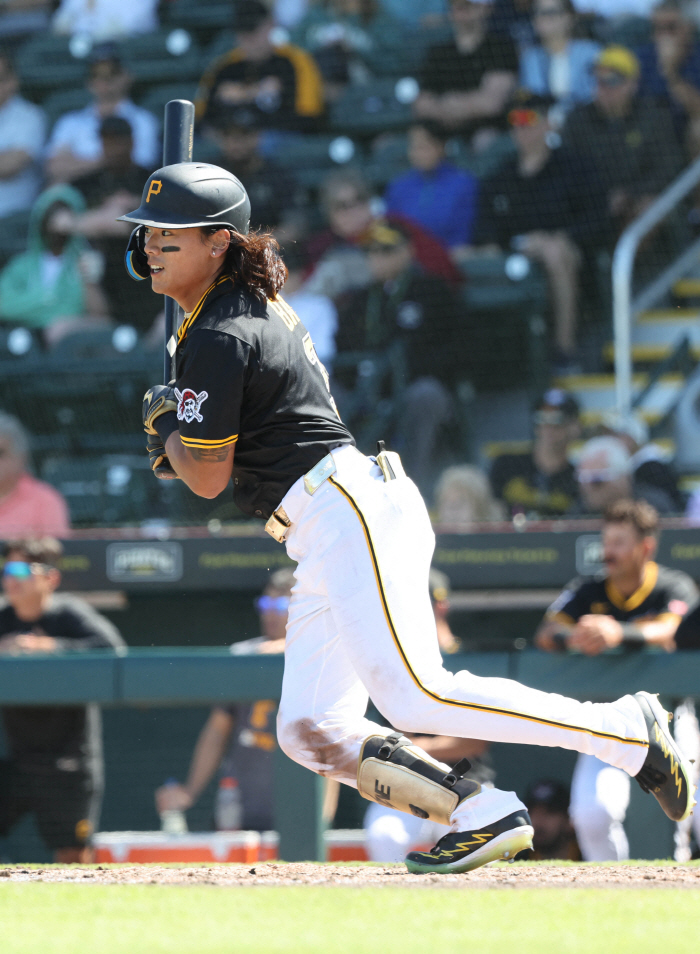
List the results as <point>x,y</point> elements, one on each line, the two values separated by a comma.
<point>205,471</point>
<point>448,749</point>
<point>12,162</point>
<point>206,758</point>
<point>659,632</point>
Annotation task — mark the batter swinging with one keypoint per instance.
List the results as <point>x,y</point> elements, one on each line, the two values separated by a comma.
<point>251,401</point>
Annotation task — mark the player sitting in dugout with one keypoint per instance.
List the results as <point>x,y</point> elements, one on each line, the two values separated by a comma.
<point>547,203</point>
<point>635,603</point>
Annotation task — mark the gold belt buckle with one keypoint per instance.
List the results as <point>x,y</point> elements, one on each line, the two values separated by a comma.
<point>278,525</point>
<point>318,473</point>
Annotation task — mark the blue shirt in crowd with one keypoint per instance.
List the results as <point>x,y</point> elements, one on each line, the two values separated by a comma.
<point>443,201</point>
<point>653,84</point>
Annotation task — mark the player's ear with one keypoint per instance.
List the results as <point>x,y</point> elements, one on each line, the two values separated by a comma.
<point>219,242</point>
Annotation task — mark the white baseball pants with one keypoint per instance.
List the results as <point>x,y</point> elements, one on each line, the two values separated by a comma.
<point>361,624</point>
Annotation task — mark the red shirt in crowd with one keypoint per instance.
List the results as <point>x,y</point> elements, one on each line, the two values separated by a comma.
<point>33,508</point>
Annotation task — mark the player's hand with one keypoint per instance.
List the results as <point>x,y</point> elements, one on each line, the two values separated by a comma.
<point>157,400</point>
<point>160,465</point>
<point>173,798</point>
<point>593,634</point>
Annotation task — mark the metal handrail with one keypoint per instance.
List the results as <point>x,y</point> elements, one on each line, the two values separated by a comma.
<point>622,269</point>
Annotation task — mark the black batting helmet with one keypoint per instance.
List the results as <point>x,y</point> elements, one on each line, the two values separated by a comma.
<point>189,194</point>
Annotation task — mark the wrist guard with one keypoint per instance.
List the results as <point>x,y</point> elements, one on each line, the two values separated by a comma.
<point>135,257</point>
<point>157,401</point>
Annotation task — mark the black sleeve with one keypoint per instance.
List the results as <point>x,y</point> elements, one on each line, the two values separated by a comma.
<point>82,628</point>
<point>588,205</point>
<point>501,54</point>
<point>210,382</point>
<point>487,227</point>
<point>432,71</point>
<point>503,469</point>
<point>688,632</point>
<point>662,157</point>
<point>681,594</point>
<point>571,604</point>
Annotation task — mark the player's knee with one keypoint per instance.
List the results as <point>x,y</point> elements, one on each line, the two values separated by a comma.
<point>322,750</point>
<point>592,818</point>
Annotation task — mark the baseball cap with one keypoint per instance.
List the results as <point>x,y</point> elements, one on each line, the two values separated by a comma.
<point>248,15</point>
<point>384,235</point>
<point>620,60</point>
<point>602,459</point>
<point>556,406</point>
<point>628,424</point>
<point>549,793</point>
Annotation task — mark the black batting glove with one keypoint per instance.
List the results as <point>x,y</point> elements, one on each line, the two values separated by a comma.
<point>135,258</point>
<point>159,400</point>
<point>160,465</point>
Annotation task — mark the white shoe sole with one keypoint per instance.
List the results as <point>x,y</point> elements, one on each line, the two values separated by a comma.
<point>663,719</point>
<point>503,847</point>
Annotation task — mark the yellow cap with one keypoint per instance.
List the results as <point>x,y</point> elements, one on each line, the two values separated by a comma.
<point>619,59</point>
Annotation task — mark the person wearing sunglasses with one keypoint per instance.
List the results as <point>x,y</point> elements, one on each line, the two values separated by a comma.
<point>634,603</point>
<point>629,138</point>
<point>55,766</point>
<point>238,741</point>
<point>546,203</point>
<point>670,68</point>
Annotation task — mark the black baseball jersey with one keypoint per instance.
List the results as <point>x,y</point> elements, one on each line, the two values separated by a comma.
<point>249,759</point>
<point>663,592</point>
<point>516,481</point>
<point>247,373</point>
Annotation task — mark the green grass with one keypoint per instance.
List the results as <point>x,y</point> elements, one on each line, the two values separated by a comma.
<point>151,919</point>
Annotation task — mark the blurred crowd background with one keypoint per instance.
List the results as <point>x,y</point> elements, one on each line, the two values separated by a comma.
<point>447,180</point>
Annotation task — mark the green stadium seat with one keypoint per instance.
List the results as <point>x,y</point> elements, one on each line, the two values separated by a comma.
<point>167,56</point>
<point>310,157</point>
<point>222,43</point>
<point>65,101</point>
<point>157,96</point>
<point>202,16</point>
<point>13,235</point>
<point>374,107</point>
<point>79,480</point>
<point>46,63</point>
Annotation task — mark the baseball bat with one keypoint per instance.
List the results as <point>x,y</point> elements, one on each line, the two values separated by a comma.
<point>178,133</point>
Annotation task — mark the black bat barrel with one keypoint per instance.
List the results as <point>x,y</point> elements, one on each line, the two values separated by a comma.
<point>178,133</point>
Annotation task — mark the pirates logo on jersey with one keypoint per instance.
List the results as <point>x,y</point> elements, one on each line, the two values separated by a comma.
<point>189,404</point>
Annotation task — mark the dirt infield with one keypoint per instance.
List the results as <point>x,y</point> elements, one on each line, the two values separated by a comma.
<point>521,875</point>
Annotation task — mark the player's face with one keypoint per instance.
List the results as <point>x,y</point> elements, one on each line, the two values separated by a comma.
<point>273,607</point>
<point>624,550</point>
<point>424,152</point>
<point>36,582</point>
<point>181,262</point>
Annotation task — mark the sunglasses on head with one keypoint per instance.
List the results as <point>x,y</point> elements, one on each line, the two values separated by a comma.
<point>523,117</point>
<point>21,570</point>
<point>272,604</point>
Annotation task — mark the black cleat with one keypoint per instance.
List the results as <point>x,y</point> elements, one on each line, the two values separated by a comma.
<point>464,850</point>
<point>665,773</point>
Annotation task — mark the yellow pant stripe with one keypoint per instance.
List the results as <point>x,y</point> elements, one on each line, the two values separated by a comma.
<point>456,702</point>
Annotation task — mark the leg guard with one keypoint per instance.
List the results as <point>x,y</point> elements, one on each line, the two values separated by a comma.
<point>394,772</point>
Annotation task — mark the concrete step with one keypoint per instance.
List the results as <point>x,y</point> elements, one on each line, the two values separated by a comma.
<point>656,334</point>
<point>596,394</point>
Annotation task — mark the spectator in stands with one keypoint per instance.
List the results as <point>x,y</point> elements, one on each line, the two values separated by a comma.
<point>631,140</point>
<point>280,84</point>
<point>238,740</point>
<point>349,38</point>
<point>648,461</point>
<point>467,83</point>
<point>542,481</point>
<point>670,69</point>
<point>560,64</point>
<point>336,257</point>
<point>75,149</point>
<point>55,768</point>
<point>318,313</point>
<point>548,806</point>
<point>436,194</point>
<point>22,136</point>
<point>390,834</point>
<point>463,498</point>
<point>27,505</point>
<point>407,325</point>
<point>605,476</point>
<point>277,202</point>
<point>636,604</point>
<point>105,20</point>
<point>547,204</point>
<point>109,192</point>
<point>54,286</point>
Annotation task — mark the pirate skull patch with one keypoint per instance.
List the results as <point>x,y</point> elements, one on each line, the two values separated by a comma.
<point>189,404</point>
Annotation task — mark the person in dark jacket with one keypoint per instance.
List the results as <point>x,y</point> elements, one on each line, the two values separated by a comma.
<point>547,204</point>
<point>55,769</point>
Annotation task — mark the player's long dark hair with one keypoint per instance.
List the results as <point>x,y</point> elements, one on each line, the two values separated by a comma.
<point>254,261</point>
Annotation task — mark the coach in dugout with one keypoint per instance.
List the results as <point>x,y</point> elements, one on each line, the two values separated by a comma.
<point>55,767</point>
<point>634,604</point>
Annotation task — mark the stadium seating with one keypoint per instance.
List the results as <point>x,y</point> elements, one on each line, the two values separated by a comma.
<point>165,57</point>
<point>46,63</point>
<point>65,101</point>
<point>374,107</point>
<point>157,96</point>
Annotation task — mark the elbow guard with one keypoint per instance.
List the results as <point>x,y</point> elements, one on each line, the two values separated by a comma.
<point>135,257</point>
<point>394,772</point>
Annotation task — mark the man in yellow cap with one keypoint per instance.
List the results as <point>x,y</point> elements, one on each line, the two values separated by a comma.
<point>631,140</point>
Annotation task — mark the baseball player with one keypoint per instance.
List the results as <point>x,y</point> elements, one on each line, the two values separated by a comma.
<point>251,402</point>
